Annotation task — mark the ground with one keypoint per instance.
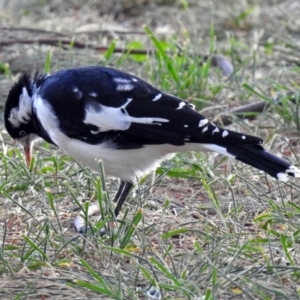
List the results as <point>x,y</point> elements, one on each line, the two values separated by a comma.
<point>226,232</point>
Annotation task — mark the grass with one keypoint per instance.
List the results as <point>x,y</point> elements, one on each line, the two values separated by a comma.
<point>231,252</point>
<point>209,228</point>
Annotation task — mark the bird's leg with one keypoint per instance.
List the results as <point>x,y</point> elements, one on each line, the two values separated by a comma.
<point>122,194</point>
<point>120,197</point>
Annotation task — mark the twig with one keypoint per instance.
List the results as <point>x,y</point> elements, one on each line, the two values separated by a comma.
<point>34,30</point>
<point>248,111</point>
<point>72,43</point>
<point>104,32</point>
<point>109,32</point>
<point>217,60</point>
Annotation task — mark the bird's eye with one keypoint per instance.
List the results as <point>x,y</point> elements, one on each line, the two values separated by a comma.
<point>22,132</point>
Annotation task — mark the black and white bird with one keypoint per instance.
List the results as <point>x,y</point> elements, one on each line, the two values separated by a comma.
<point>98,113</point>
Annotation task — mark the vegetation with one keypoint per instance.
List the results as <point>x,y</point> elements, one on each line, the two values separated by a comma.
<point>201,227</point>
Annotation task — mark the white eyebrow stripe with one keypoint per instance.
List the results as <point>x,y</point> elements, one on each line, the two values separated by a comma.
<point>13,118</point>
<point>22,113</point>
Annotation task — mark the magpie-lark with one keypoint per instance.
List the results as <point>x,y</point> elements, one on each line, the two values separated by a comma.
<point>99,113</point>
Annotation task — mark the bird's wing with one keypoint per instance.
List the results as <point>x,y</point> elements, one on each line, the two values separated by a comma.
<point>97,102</point>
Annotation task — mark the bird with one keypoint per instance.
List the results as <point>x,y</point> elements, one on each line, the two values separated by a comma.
<point>97,113</point>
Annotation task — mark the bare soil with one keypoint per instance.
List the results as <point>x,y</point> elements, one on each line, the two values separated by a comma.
<point>30,29</point>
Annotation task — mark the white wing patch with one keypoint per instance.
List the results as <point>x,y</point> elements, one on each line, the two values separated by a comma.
<point>181,105</point>
<point>123,84</point>
<point>125,87</point>
<point>121,80</point>
<point>203,122</point>
<point>215,130</point>
<point>157,97</point>
<point>115,118</point>
<point>21,114</point>
<point>225,133</point>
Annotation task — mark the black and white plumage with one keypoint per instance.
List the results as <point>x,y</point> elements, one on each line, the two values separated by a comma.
<point>98,113</point>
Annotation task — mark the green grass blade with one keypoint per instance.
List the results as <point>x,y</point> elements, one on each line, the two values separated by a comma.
<point>131,228</point>
<point>47,65</point>
<point>35,247</point>
<point>165,271</point>
<point>98,289</point>
<point>110,51</point>
<point>161,51</point>
<point>52,205</point>
<point>175,232</point>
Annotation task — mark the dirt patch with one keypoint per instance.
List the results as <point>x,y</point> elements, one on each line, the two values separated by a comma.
<point>262,40</point>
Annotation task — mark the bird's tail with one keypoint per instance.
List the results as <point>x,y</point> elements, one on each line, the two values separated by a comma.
<point>257,157</point>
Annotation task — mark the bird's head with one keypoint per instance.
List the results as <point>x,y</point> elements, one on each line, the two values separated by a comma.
<point>18,115</point>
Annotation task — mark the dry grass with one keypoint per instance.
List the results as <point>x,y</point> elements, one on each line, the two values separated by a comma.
<point>213,229</point>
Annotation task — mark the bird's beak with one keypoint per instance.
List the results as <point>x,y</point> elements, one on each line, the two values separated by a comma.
<point>27,150</point>
<point>27,143</point>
